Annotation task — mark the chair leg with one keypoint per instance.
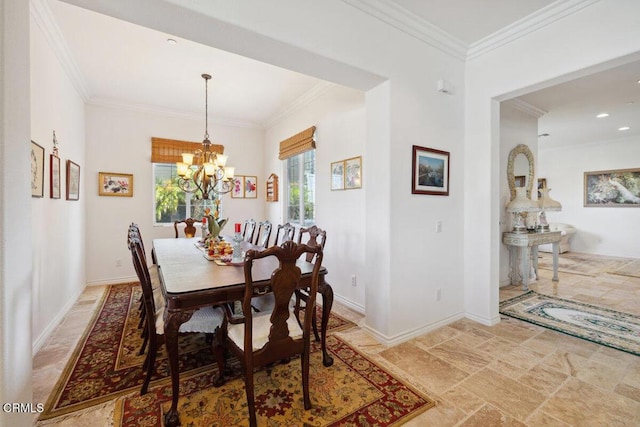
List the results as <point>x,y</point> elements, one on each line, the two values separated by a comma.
<point>305,379</point>
<point>150,362</point>
<point>218,347</point>
<point>248,385</point>
<point>145,340</point>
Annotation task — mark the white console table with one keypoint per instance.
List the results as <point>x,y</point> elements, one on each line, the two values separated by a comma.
<point>524,246</point>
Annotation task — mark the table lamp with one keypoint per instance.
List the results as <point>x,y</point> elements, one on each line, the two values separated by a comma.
<point>519,205</point>
<point>546,203</point>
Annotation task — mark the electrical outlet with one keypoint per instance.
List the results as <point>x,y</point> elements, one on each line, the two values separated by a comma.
<point>438,226</point>
<point>438,294</point>
<point>118,263</point>
<point>353,280</point>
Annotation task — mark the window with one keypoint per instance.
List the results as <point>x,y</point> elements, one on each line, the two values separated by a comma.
<point>170,203</point>
<point>301,188</point>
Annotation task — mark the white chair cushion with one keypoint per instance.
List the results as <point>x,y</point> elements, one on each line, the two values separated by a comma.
<point>261,328</point>
<point>264,303</point>
<point>205,319</point>
<point>155,279</point>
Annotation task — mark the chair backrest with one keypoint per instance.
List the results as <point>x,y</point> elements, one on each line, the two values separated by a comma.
<point>140,265</point>
<point>283,233</point>
<point>263,234</point>
<point>285,279</point>
<point>248,231</point>
<point>136,229</point>
<point>189,229</point>
<point>316,237</point>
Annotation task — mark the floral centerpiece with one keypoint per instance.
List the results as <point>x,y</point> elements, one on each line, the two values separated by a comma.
<point>215,226</point>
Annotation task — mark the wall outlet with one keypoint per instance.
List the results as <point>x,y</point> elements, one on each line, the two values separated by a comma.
<point>118,263</point>
<point>438,294</point>
<point>438,226</point>
<point>353,280</point>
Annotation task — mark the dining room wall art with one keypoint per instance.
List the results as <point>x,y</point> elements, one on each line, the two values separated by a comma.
<point>115,184</point>
<point>245,187</point>
<point>430,171</point>
<point>37,170</point>
<point>272,188</point>
<point>346,174</point>
<point>54,176</point>
<point>612,188</point>
<point>73,180</point>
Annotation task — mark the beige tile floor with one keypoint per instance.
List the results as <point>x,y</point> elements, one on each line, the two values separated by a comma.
<point>510,374</point>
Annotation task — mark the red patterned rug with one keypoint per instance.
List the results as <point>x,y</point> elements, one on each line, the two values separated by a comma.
<point>106,364</point>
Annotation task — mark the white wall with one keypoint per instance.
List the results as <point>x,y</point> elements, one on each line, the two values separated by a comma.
<point>601,32</point>
<point>119,140</point>
<point>601,230</point>
<point>339,116</point>
<point>58,225</point>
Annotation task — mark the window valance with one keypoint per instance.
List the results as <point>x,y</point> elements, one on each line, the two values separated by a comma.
<point>298,143</point>
<point>170,150</point>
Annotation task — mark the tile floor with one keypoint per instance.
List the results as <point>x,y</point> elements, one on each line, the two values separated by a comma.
<point>510,374</point>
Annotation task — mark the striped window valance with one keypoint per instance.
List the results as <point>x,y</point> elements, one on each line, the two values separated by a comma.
<point>170,150</point>
<point>298,143</point>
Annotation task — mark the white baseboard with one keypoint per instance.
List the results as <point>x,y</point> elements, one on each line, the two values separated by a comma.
<point>116,281</point>
<point>347,302</point>
<point>487,321</point>
<point>42,339</point>
<point>405,336</point>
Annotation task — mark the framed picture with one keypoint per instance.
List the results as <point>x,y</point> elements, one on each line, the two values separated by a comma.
<point>337,175</point>
<point>520,180</point>
<point>612,188</point>
<point>430,171</point>
<point>238,187</point>
<point>115,184</point>
<point>37,170</point>
<point>54,176</point>
<point>542,183</point>
<point>250,187</point>
<point>73,181</point>
<point>353,173</point>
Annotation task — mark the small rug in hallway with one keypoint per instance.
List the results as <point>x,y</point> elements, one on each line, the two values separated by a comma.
<point>105,363</point>
<point>600,325</point>
<point>354,391</point>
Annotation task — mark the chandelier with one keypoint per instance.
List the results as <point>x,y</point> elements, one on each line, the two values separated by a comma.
<point>204,172</point>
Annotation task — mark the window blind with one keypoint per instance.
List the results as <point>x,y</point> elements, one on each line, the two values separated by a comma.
<point>298,143</point>
<point>170,150</point>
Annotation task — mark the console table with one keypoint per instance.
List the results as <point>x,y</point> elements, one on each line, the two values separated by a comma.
<point>524,246</point>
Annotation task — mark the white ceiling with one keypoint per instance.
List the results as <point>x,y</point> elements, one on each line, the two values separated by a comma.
<point>136,66</point>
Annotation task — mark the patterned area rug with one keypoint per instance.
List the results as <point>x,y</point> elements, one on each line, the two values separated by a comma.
<point>354,391</point>
<point>583,264</point>
<point>600,325</point>
<point>106,364</point>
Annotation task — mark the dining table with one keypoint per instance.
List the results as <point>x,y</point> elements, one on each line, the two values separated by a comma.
<point>190,279</point>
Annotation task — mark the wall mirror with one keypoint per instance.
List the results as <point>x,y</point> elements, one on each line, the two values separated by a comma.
<point>520,164</point>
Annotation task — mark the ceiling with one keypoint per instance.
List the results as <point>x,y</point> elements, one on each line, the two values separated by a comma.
<point>138,67</point>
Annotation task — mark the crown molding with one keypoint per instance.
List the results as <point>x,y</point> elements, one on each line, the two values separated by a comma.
<point>116,104</point>
<point>43,17</point>
<point>526,108</point>
<point>302,101</point>
<point>530,23</point>
<point>400,18</point>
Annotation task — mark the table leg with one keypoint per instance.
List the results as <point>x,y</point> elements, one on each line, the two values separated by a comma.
<point>526,255</point>
<point>556,250</point>
<point>327,302</point>
<point>172,322</point>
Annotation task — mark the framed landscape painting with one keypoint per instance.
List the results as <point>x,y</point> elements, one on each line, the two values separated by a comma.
<point>37,170</point>
<point>73,181</point>
<point>612,188</point>
<point>430,171</point>
<point>115,184</point>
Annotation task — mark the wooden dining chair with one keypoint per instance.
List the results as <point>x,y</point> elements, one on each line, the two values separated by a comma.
<point>249,230</point>
<point>205,320</point>
<point>263,338</point>
<point>263,234</point>
<point>284,232</point>
<point>189,228</point>
<point>314,237</point>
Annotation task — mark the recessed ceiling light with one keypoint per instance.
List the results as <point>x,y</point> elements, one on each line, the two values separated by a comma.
<point>624,128</point>
<point>172,41</point>
<point>602,115</point>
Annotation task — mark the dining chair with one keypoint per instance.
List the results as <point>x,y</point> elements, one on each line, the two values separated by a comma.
<point>189,229</point>
<point>248,230</point>
<point>205,320</point>
<point>263,233</point>
<point>260,339</point>
<point>314,237</point>
<point>284,232</point>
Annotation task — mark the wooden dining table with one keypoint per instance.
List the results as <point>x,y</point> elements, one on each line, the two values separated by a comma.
<point>189,281</point>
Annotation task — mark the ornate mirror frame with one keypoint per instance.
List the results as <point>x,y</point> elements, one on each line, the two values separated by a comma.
<point>520,149</point>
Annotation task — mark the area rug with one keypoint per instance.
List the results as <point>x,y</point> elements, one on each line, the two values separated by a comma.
<point>354,391</point>
<point>600,325</point>
<point>583,264</point>
<point>105,363</point>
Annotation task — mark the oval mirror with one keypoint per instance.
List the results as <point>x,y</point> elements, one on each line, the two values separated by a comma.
<point>520,169</point>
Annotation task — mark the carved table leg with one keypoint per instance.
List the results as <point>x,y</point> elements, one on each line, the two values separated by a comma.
<point>327,302</point>
<point>172,322</point>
